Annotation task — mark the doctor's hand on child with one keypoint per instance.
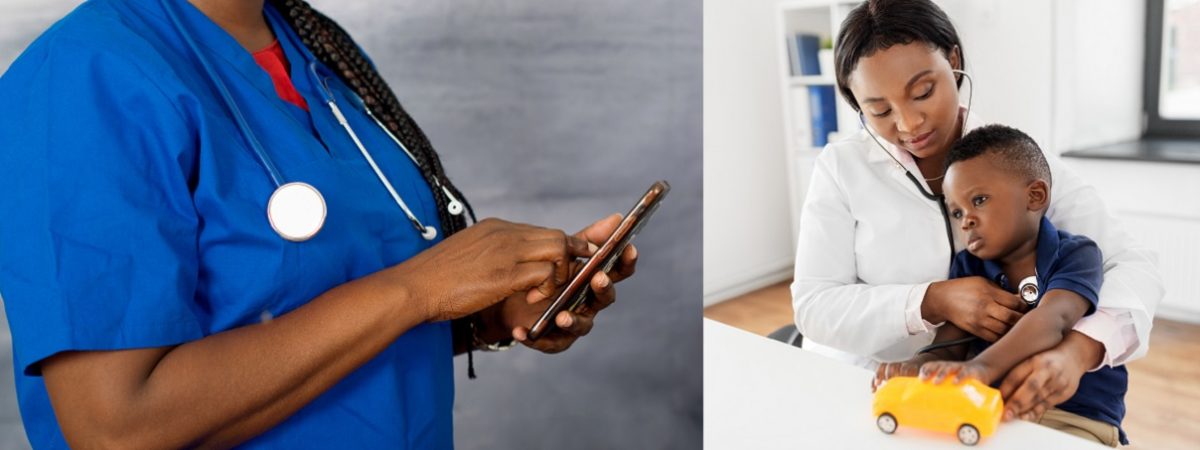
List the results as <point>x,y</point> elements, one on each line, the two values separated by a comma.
<point>518,311</point>
<point>974,304</point>
<point>1048,378</point>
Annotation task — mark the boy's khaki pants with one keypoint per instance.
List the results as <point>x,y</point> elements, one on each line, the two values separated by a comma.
<point>1092,430</point>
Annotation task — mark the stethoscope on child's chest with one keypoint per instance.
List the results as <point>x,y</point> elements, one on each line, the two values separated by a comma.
<point>296,210</point>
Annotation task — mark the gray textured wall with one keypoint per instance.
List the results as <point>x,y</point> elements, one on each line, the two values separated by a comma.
<point>554,112</point>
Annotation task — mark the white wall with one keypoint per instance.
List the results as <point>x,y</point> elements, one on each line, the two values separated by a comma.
<point>1156,204</point>
<point>1008,47</point>
<point>1098,100</point>
<point>1098,60</point>
<point>746,215</point>
<point>1067,72</point>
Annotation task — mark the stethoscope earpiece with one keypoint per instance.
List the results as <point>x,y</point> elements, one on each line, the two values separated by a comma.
<point>429,233</point>
<point>455,208</point>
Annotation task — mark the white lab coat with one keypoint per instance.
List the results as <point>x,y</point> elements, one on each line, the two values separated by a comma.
<point>870,244</point>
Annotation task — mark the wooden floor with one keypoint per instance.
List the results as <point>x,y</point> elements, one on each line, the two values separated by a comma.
<point>1163,403</point>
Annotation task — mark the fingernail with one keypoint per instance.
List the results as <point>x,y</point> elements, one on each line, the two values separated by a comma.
<point>633,252</point>
<point>565,321</point>
<point>1008,415</point>
<point>604,280</point>
<point>592,247</point>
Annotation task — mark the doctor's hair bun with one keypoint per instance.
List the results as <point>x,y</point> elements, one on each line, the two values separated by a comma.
<point>876,25</point>
<point>1013,149</point>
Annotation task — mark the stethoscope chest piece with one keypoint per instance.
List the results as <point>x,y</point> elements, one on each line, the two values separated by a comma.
<point>1028,290</point>
<point>296,211</point>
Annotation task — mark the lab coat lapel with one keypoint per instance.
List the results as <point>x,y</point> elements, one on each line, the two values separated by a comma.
<point>895,171</point>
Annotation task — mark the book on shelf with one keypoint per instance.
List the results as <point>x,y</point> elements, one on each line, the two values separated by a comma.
<point>822,100</point>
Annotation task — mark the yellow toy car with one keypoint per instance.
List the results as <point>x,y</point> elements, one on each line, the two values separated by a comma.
<point>971,409</point>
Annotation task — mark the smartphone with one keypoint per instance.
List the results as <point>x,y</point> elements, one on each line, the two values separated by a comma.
<point>580,288</point>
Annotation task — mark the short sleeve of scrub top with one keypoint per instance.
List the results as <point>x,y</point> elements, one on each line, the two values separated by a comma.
<point>102,254</point>
<point>98,241</point>
<point>133,216</point>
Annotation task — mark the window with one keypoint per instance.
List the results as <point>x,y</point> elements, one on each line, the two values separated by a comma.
<point>1172,84</point>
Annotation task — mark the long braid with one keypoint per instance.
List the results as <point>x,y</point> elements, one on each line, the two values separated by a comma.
<point>334,47</point>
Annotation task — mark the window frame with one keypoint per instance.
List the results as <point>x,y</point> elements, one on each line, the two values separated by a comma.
<point>1156,125</point>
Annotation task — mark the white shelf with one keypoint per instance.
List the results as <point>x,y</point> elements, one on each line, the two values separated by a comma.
<point>811,80</point>
<point>820,18</point>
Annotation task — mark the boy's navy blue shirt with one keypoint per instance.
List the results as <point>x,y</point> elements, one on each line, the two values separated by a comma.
<point>1074,263</point>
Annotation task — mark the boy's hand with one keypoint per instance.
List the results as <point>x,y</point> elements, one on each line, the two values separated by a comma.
<point>958,371</point>
<point>909,368</point>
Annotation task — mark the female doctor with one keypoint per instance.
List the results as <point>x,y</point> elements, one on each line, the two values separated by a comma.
<point>220,228</point>
<point>875,245</point>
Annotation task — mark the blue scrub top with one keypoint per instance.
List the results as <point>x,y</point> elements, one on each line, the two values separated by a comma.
<point>134,215</point>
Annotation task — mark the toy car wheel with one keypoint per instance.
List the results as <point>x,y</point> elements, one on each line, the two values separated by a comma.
<point>968,434</point>
<point>887,423</point>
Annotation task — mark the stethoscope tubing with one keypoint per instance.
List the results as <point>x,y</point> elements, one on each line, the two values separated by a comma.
<point>454,206</point>
<point>939,199</point>
<point>239,118</point>
<point>427,232</point>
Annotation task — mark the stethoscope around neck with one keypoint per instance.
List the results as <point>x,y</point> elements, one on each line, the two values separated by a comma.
<point>296,210</point>
<point>936,198</point>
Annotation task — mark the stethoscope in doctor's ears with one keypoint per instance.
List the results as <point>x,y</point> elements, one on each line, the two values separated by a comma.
<point>296,210</point>
<point>939,199</point>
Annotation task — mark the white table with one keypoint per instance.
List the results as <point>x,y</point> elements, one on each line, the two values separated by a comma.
<point>763,394</point>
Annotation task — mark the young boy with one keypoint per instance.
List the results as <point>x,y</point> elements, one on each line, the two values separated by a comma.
<point>997,189</point>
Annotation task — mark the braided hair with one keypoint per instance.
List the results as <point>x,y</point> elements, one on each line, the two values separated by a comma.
<point>334,47</point>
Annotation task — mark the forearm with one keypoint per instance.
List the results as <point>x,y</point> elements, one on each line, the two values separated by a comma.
<point>1041,329</point>
<point>931,306</point>
<point>1087,352</point>
<point>224,389</point>
<point>833,314</point>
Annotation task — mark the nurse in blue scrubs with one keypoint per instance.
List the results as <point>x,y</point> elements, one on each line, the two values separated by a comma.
<point>152,303</point>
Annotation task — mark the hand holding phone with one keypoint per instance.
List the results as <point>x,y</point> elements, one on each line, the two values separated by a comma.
<point>578,289</point>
